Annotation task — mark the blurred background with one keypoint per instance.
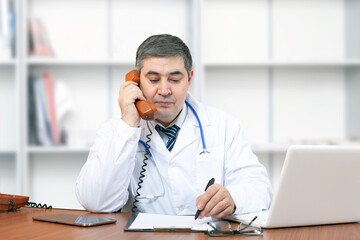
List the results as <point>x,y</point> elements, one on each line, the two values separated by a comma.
<point>288,69</point>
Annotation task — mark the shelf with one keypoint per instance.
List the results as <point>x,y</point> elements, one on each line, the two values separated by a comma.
<point>57,150</point>
<point>274,63</point>
<point>77,62</point>
<point>9,62</point>
<point>7,152</point>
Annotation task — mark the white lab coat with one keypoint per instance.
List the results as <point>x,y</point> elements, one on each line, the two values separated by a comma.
<point>111,174</point>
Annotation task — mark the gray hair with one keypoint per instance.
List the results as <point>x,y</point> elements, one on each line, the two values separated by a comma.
<point>163,45</point>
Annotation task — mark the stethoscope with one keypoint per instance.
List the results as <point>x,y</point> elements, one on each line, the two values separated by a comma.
<point>204,151</point>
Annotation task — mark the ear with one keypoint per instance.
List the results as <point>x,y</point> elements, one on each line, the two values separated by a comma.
<point>191,75</point>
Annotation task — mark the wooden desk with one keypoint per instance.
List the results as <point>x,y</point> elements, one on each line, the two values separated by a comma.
<point>19,225</point>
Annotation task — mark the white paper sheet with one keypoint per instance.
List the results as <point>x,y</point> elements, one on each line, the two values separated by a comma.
<point>151,221</point>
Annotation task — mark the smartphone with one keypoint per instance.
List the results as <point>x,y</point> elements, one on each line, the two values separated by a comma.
<point>77,220</point>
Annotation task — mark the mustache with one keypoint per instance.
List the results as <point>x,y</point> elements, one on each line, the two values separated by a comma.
<point>164,98</point>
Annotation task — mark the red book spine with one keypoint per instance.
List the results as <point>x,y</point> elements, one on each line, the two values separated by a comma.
<point>52,110</point>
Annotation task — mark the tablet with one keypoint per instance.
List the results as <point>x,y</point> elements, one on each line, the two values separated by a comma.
<point>77,220</point>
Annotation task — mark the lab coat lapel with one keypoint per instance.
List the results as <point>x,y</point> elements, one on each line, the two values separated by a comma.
<point>190,130</point>
<point>186,135</point>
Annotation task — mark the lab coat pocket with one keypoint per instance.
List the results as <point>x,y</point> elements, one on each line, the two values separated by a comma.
<point>209,165</point>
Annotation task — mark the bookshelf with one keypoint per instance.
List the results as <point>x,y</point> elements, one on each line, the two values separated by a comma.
<point>289,68</point>
<point>10,153</point>
<point>93,63</point>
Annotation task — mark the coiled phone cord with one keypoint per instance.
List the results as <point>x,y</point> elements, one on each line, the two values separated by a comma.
<point>142,175</point>
<point>38,205</point>
<point>29,204</point>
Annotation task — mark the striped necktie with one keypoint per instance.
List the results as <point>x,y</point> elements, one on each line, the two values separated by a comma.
<point>171,133</point>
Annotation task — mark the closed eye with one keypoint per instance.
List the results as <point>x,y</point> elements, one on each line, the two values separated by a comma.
<point>175,80</point>
<point>154,80</point>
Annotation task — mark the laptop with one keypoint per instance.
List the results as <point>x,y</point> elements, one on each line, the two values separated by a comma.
<point>318,185</point>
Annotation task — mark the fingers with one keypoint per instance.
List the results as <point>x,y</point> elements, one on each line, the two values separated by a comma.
<point>129,92</point>
<point>215,202</point>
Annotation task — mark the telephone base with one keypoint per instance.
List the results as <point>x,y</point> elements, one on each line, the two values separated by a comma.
<point>9,202</point>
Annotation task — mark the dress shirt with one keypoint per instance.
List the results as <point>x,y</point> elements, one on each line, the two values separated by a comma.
<point>178,121</point>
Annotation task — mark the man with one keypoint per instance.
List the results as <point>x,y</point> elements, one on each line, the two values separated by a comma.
<point>173,180</point>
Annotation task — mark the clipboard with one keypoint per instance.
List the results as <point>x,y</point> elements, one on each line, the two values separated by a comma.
<point>164,227</point>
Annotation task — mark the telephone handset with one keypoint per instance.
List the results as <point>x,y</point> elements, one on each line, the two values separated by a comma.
<point>146,108</point>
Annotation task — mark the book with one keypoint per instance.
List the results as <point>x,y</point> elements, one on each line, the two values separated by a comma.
<point>50,110</point>
<point>50,99</point>
<point>39,44</point>
<point>43,127</point>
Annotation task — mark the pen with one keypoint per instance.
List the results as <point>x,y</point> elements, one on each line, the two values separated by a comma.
<point>211,182</point>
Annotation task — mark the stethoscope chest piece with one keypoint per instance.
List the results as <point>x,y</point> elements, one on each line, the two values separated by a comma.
<point>204,151</point>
